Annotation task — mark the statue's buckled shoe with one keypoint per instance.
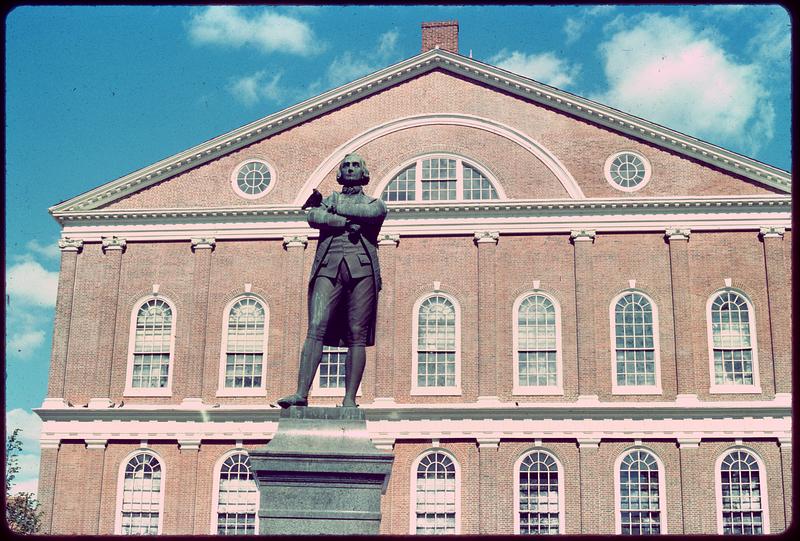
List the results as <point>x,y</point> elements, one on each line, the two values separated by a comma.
<point>292,400</point>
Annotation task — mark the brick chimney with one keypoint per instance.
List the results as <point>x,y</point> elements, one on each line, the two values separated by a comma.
<point>441,34</point>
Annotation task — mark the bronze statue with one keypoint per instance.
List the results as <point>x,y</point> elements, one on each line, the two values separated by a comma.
<point>345,279</point>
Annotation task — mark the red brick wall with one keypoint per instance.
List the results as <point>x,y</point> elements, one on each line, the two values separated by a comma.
<point>441,34</point>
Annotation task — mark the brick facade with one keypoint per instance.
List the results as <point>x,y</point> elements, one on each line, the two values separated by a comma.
<point>485,263</point>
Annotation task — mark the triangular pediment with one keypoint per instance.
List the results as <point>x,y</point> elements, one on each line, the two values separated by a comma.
<point>436,59</point>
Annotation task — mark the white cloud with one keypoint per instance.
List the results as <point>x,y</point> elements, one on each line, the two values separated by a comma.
<point>575,26</point>
<point>250,89</point>
<point>50,251</point>
<point>24,344</point>
<point>349,66</point>
<point>267,30</point>
<point>31,284</point>
<point>772,41</point>
<point>666,71</point>
<point>27,479</point>
<point>30,425</point>
<point>544,67</point>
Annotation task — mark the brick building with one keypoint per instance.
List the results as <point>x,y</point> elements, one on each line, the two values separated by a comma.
<point>584,325</point>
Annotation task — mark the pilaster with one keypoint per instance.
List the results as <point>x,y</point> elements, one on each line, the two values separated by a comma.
<point>192,372</point>
<point>486,241</point>
<point>113,248</point>
<point>588,454</point>
<point>385,353</point>
<point>779,303</point>
<point>48,466</point>
<point>694,502</point>
<point>682,311</point>
<point>93,487</point>
<point>70,248</point>
<point>188,462</point>
<point>786,471</point>
<point>295,302</point>
<point>585,281</point>
<point>489,485</point>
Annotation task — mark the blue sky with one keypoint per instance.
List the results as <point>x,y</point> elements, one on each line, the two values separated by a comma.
<point>94,93</point>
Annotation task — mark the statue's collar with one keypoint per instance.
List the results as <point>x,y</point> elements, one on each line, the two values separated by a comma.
<point>352,190</point>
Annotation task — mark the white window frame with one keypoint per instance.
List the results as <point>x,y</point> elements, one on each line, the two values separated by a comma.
<point>460,161</point>
<point>561,497</point>
<point>454,390</point>
<point>412,526</point>
<point>558,388</point>
<point>634,389</point>
<point>235,180</point>
<point>121,488</point>
<point>241,391</point>
<point>762,477</point>
<point>316,390</point>
<point>648,171</point>
<point>150,391</point>
<point>662,489</point>
<point>714,388</point>
<point>215,489</point>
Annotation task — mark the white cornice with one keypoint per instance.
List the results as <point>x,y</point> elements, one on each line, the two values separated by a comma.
<point>730,419</point>
<point>412,67</point>
<point>420,219</point>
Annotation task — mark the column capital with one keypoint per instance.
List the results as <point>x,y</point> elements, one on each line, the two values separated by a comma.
<point>292,241</point>
<point>488,442</point>
<point>96,443</point>
<point>388,239</point>
<point>189,445</point>
<point>50,443</point>
<point>582,235</point>
<point>677,233</point>
<point>70,245</point>
<point>785,441</point>
<point>113,243</point>
<point>486,236</point>
<point>203,243</point>
<point>588,442</point>
<point>772,231</point>
<point>689,442</point>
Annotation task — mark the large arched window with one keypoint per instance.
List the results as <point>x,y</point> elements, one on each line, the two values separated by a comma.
<point>634,344</point>
<point>236,498</point>
<point>434,497</point>
<point>437,349</point>
<point>152,343</point>
<point>439,178</point>
<point>537,337</point>
<point>640,494</point>
<point>732,343</point>
<point>539,495</point>
<point>741,494</point>
<point>140,500</point>
<point>244,346</point>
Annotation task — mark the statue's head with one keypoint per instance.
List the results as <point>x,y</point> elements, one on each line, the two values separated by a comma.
<point>352,171</point>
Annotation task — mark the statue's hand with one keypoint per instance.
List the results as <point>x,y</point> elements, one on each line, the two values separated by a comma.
<point>352,227</point>
<point>332,208</point>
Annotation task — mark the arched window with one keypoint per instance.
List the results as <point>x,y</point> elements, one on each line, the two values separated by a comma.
<point>237,497</point>
<point>140,498</point>
<point>151,346</point>
<point>634,338</point>
<point>244,347</point>
<point>537,345</point>
<point>436,346</point>
<point>439,178</point>
<point>732,344</point>
<point>435,495</point>
<point>742,497</point>
<point>540,497</point>
<point>640,491</point>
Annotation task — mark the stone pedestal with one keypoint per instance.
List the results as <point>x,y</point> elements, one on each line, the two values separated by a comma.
<point>320,474</point>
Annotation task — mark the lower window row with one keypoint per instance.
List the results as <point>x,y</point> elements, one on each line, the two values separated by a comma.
<point>436,487</point>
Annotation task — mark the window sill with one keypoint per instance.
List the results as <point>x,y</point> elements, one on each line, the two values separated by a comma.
<point>435,391</point>
<point>536,391</point>
<point>241,392</point>
<point>649,390</point>
<point>734,389</point>
<point>160,391</point>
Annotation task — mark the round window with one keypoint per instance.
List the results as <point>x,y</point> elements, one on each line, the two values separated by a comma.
<point>252,179</point>
<point>627,170</point>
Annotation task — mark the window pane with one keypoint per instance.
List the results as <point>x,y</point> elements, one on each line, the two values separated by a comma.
<point>634,341</point>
